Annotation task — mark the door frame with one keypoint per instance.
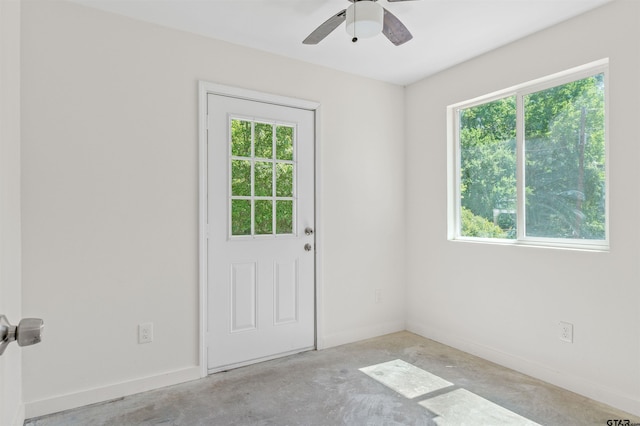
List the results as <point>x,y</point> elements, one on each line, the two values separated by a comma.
<point>204,90</point>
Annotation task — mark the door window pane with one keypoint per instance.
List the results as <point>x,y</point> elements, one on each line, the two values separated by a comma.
<point>264,140</point>
<point>241,178</point>
<point>264,179</point>
<point>240,217</point>
<point>264,217</point>
<point>284,180</point>
<point>284,143</point>
<point>284,217</point>
<point>241,138</point>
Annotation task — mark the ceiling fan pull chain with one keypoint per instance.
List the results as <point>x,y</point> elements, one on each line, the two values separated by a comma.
<point>355,20</point>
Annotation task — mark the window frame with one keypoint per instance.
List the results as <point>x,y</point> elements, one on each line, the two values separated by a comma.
<point>519,92</point>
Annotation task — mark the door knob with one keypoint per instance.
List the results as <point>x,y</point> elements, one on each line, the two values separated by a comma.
<point>307,247</point>
<point>28,332</point>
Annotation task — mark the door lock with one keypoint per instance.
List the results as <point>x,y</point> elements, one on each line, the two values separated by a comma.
<point>308,231</point>
<point>28,332</point>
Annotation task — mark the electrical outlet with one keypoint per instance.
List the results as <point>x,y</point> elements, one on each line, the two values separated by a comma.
<point>566,332</point>
<point>145,332</point>
<point>377,296</point>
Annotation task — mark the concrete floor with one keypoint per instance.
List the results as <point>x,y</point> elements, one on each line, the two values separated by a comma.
<point>406,380</point>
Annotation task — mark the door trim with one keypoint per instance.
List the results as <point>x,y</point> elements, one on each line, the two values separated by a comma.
<point>204,89</point>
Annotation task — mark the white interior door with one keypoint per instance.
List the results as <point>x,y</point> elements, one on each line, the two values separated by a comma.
<point>261,254</point>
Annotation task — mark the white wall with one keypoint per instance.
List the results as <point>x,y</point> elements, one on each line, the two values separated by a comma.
<point>502,302</point>
<point>109,208</point>
<point>11,408</point>
<point>110,197</point>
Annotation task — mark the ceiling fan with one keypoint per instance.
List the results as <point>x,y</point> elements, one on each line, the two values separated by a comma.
<point>365,18</point>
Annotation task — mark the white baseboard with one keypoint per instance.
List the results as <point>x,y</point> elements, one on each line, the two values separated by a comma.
<point>355,335</point>
<point>59,403</point>
<point>572,383</point>
<point>118,390</point>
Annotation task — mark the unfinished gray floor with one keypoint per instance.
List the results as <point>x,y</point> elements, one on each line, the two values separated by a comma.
<point>328,388</point>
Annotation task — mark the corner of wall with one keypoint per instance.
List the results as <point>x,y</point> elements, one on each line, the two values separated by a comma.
<point>11,405</point>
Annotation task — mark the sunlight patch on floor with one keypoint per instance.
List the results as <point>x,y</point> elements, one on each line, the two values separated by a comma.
<point>457,407</point>
<point>406,379</point>
<point>461,407</point>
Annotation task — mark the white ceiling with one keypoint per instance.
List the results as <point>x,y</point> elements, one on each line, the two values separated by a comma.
<point>445,32</point>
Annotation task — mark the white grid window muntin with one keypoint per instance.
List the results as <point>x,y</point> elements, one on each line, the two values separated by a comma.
<point>519,93</point>
<point>254,197</point>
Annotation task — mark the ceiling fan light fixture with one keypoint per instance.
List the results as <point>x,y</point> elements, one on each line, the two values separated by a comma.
<point>364,19</point>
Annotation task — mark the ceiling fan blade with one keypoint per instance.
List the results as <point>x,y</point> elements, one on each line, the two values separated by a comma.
<point>395,30</point>
<point>325,29</point>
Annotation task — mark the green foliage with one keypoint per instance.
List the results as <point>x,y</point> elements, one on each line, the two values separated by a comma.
<point>241,138</point>
<point>478,226</point>
<point>264,217</point>
<point>284,143</point>
<point>564,161</point>
<point>284,180</point>
<point>263,183</point>
<point>240,217</point>
<point>241,177</point>
<point>488,157</point>
<point>264,140</point>
<point>284,217</point>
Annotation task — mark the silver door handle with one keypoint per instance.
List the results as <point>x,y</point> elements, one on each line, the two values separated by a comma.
<point>308,231</point>
<point>28,332</point>
<point>307,247</point>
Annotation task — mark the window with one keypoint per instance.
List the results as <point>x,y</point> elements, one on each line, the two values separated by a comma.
<point>262,178</point>
<point>530,163</point>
